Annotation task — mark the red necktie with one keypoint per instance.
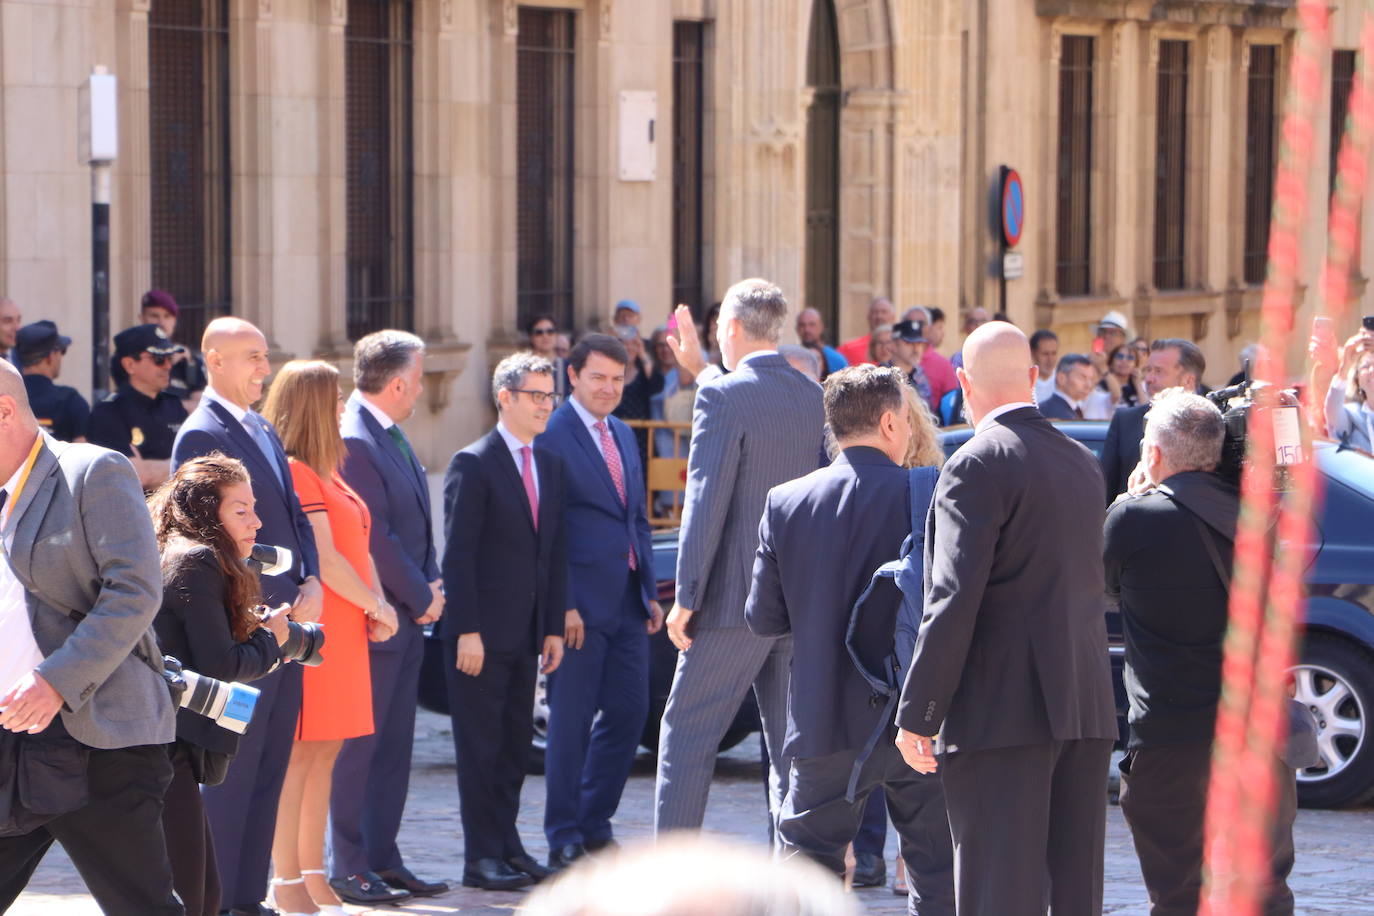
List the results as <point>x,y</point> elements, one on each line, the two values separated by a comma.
<point>612,456</point>
<point>527,475</point>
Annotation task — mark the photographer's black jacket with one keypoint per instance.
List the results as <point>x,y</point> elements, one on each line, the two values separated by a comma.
<point>193,626</point>
<point>1173,603</point>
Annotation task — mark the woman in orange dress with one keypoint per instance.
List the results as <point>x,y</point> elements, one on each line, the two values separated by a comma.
<point>304,405</point>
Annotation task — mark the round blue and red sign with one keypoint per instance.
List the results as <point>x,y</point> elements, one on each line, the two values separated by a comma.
<point>1013,207</point>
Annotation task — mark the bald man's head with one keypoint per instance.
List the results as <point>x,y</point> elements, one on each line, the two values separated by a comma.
<point>810,327</point>
<point>998,368</point>
<point>17,424</point>
<point>236,360</point>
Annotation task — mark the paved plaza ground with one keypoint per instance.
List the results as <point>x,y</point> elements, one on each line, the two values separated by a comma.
<point>1334,874</point>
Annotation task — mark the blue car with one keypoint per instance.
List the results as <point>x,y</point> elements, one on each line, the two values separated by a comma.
<point>1334,676</point>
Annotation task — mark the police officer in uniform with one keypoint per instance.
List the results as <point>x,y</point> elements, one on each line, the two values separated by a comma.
<point>60,409</point>
<point>188,378</point>
<point>142,417</point>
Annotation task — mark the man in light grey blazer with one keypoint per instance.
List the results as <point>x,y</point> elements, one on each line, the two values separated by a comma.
<point>752,429</point>
<point>80,583</point>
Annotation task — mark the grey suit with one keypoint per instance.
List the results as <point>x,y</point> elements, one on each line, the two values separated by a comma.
<point>752,429</point>
<point>74,549</point>
<point>84,551</point>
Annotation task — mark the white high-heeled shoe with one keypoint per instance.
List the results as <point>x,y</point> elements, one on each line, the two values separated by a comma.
<point>272,896</point>
<point>325,909</point>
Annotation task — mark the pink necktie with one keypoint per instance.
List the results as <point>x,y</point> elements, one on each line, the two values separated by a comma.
<point>527,475</point>
<point>612,456</point>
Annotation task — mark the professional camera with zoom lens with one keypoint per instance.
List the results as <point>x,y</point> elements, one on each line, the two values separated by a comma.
<point>230,705</point>
<point>1235,403</point>
<point>303,640</point>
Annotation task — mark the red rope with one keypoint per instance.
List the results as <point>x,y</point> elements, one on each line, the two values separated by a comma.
<point>1267,599</point>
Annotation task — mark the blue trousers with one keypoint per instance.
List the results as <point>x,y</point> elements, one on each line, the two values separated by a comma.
<point>372,774</point>
<point>586,765</point>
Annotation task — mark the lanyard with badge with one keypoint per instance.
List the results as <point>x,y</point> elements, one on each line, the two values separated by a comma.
<point>12,499</point>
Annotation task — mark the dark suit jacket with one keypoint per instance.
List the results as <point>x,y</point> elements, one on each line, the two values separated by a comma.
<point>211,428</point>
<point>396,493</point>
<point>600,528</point>
<point>1056,408</point>
<point>503,579</point>
<point>193,627</point>
<point>1121,450</point>
<point>1013,646</point>
<point>804,586</point>
<point>752,429</point>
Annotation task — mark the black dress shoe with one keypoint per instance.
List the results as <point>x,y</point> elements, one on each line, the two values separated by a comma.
<point>599,845</point>
<point>404,879</point>
<point>869,870</point>
<point>564,856</point>
<point>366,890</point>
<point>530,867</point>
<point>494,875</point>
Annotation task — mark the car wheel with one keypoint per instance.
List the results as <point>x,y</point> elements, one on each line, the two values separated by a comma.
<point>1335,681</point>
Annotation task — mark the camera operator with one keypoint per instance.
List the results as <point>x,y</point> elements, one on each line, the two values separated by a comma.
<point>85,712</point>
<point>206,526</point>
<point>1168,557</point>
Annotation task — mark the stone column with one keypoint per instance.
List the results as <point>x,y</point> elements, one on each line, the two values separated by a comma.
<point>131,219</point>
<point>331,138</point>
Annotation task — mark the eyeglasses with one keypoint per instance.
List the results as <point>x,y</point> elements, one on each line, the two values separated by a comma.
<point>540,398</point>
<point>159,359</point>
<point>1125,355</point>
<point>541,332</point>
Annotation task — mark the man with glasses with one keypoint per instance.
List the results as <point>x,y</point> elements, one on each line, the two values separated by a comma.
<point>505,571</point>
<point>140,420</point>
<point>61,410</point>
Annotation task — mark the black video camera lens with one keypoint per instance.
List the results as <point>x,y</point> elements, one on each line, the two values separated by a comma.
<point>303,643</point>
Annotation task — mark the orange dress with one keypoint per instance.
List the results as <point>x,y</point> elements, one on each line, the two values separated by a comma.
<point>337,702</point>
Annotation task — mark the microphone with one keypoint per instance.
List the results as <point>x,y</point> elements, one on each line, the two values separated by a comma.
<point>270,560</point>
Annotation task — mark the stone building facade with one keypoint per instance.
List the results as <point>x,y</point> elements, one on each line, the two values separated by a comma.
<point>322,167</point>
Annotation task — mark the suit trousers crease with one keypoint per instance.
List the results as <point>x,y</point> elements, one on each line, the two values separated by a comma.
<point>372,773</point>
<point>1164,801</point>
<point>493,725</point>
<point>709,684</point>
<point>190,845</point>
<point>586,765</point>
<point>242,810</point>
<point>819,822</point>
<point>115,840</point>
<point>1029,826</point>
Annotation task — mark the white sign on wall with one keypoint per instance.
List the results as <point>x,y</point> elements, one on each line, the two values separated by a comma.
<point>638,141</point>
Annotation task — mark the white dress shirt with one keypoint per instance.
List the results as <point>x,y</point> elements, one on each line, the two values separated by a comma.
<point>19,652</point>
<point>1044,389</point>
<point>515,445</point>
<point>997,412</point>
<point>377,413</point>
<point>1073,405</point>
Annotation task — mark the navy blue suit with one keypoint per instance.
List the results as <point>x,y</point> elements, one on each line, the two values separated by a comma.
<point>506,579</point>
<point>242,810</point>
<point>586,769</point>
<point>372,774</point>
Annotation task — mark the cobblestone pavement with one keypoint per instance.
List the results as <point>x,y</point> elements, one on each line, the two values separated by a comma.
<point>1334,874</point>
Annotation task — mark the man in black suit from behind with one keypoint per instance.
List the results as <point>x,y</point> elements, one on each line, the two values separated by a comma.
<point>1173,363</point>
<point>1011,664</point>
<point>861,500</point>
<point>505,581</point>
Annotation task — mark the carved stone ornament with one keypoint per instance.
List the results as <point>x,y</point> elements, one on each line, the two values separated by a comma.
<point>604,20</point>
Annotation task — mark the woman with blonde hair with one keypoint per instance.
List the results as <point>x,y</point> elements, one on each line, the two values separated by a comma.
<point>304,404</point>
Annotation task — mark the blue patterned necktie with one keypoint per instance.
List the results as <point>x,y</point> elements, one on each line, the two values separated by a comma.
<point>257,427</point>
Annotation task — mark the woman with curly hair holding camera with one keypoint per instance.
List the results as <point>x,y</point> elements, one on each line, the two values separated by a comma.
<point>210,620</point>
